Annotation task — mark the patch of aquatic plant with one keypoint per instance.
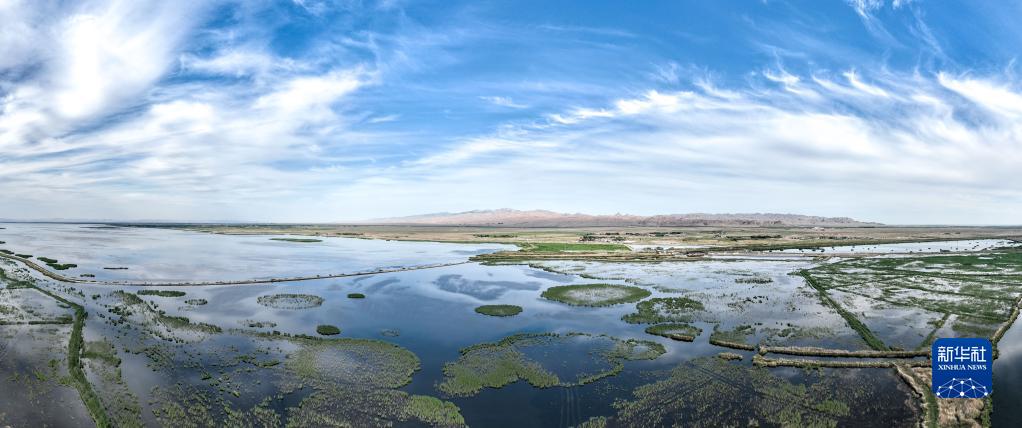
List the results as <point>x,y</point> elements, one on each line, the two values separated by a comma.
<point>433,411</point>
<point>739,334</point>
<point>984,287</point>
<point>595,294</point>
<point>753,280</point>
<point>729,356</point>
<point>176,322</point>
<point>47,260</point>
<point>151,317</point>
<point>76,375</point>
<point>937,325</point>
<point>794,332</point>
<point>973,327</point>
<point>346,406</point>
<point>338,383</point>
<point>115,268</point>
<point>290,301</point>
<point>161,293</point>
<point>366,362</point>
<point>853,321</point>
<point>356,296</point>
<point>196,302</point>
<point>186,406</point>
<point>24,256</point>
<point>675,331</point>
<point>691,394</point>
<point>494,365</point>
<point>101,350</point>
<point>499,310</point>
<point>258,324</point>
<point>299,240</point>
<point>128,298</point>
<point>665,310</point>
<point>14,283</point>
<point>328,330</point>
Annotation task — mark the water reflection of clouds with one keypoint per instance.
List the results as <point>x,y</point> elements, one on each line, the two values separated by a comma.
<point>482,290</point>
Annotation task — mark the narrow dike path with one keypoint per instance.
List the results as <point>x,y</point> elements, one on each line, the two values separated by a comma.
<point>56,276</point>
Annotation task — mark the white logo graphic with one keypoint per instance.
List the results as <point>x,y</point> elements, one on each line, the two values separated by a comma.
<point>952,354</point>
<point>962,388</point>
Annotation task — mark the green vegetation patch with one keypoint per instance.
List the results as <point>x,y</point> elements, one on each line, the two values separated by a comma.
<point>328,330</point>
<point>102,351</point>
<point>76,375</point>
<point>14,283</point>
<point>433,411</point>
<point>665,310</point>
<point>973,327</point>
<point>354,383</point>
<point>290,301</point>
<point>739,334</point>
<point>729,356</point>
<point>196,302</point>
<point>850,318</point>
<point>356,296</point>
<point>345,406</point>
<point>595,294</point>
<point>364,362</point>
<point>553,247</point>
<point>691,396</point>
<point>157,321</point>
<point>543,360</point>
<point>258,324</point>
<point>754,280</point>
<point>338,383</point>
<point>300,240</point>
<point>499,310</point>
<point>161,293</point>
<point>183,323</point>
<point>675,331</point>
<point>52,263</point>
<point>977,291</point>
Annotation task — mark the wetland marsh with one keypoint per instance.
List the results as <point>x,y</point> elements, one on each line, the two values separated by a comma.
<point>700,342</point>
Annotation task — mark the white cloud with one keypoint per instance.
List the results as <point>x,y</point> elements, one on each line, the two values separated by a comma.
<point>687,151</point>
<point>240,63</point>
<point>992,97</point>
<point>503,102</point>
<point>87,63</point>
<point>866,7</point>
<point>89,123</point>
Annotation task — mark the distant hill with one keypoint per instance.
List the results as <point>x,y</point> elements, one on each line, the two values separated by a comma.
<point>542,218</point>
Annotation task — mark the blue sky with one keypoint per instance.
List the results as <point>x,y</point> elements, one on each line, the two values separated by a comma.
<point>892,111</point>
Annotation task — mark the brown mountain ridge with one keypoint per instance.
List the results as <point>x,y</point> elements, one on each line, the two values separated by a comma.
<point>543,218</point>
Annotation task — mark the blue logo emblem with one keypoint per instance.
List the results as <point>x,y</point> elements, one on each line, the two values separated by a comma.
<point>962,368</point>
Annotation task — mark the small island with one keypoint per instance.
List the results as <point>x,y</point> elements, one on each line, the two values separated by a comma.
<point>499,310</point>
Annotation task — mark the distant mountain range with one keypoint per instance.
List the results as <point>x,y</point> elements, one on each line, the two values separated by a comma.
<point>542,218</point>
